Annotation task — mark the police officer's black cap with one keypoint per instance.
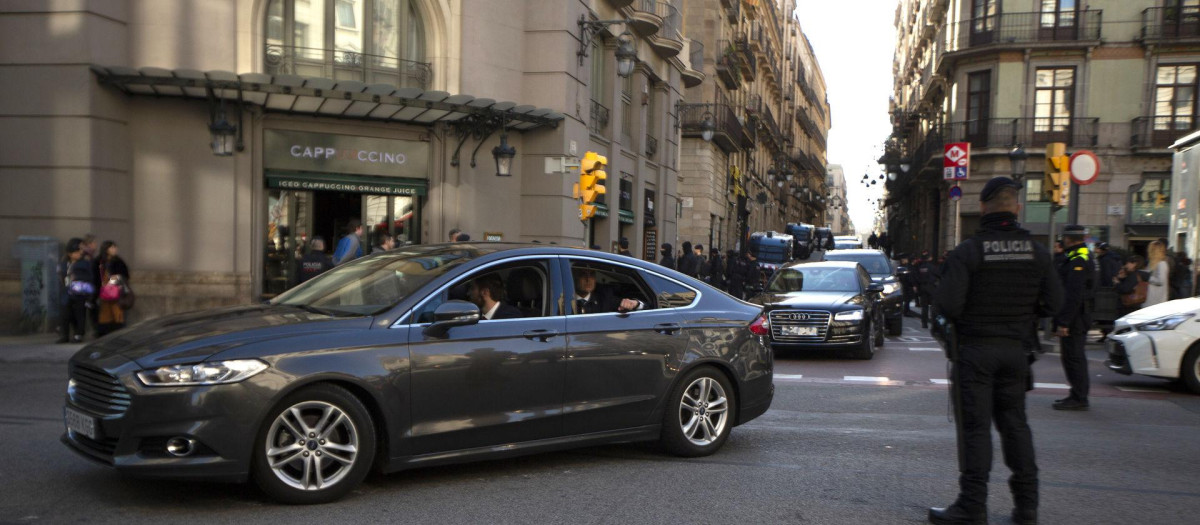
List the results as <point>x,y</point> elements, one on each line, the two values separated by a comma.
<point>994,185</point>
<point>1075,230</point>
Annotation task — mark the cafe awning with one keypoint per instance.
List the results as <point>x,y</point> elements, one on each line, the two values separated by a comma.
<point>324,97</point>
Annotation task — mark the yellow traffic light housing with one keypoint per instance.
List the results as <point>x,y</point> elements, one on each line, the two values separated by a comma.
<point>589,188</point>
<point>1056,184</point>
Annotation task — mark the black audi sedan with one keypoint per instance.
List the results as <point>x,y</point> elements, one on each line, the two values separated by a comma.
<point>883,271</point>
<point>421,356</point>
<point>828,304</point>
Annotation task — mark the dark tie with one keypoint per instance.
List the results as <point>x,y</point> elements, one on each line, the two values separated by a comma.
<point>579,303</point>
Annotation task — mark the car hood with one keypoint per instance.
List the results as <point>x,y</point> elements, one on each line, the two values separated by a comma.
<point>195,336</point>
<point>1178,306</point>
<point>823,300</point>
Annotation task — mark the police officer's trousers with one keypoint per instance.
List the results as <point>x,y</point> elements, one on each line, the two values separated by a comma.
<point>1074,359</point>
<point>926,300</point>
<point>989,384</point>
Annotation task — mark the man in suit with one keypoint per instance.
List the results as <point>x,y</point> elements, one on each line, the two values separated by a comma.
<point>487,292</point>
<point>593,299</point>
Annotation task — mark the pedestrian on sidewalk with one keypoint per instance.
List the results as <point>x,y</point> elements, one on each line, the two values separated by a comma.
<point>716,269</point>
<point>1126,283</point>
<point>113,272</point>
<point>996,284</point>
<point>1077,273</point>
<point>668,259</point>
<point>1160,271</point>
<point>624,245</point>
<point>349,247</point>
<point>76,272</point>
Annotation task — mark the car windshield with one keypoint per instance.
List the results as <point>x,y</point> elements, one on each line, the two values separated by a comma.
<point>372,284</point>
<point>800,279</point>
<point>875,263</point>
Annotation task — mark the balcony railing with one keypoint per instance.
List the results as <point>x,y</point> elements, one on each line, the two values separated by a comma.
<point>748,61</point>
<point>729,133</point>
<point>1031,132</point>
<point>697,55</point>
<point>1170,23</point>
<point>598,123</point>
<point>772,127</point>
<point>672,21</point>
<point>733,11</point>
<point>728,65</point>
<point>346,65</point>
<point>1026,28</point>
<point>1160,132</point>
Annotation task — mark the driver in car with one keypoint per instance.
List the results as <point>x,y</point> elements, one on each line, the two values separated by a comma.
<point>486,292</point>
<point>591,299</point>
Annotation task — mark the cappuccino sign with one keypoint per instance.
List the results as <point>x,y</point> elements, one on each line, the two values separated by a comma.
<point>322,153</point>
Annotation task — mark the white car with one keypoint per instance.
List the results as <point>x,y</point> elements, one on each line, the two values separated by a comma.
<point>1161,341</point>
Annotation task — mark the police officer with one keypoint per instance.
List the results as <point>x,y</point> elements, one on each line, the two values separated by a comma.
<point>995,286</point>
<point>1071,324</point>
<point>905,274</point>
<point>927,277</point>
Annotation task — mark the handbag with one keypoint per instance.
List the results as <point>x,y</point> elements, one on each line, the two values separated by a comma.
<point>111,291</point>
<point>1138,295</point>
<point>127,298</point>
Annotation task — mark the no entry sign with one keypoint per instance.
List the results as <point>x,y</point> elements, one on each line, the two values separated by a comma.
<point>1085,167</point>
<point>956,164</point>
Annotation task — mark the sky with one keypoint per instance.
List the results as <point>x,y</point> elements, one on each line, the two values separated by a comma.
<point>855,48</point>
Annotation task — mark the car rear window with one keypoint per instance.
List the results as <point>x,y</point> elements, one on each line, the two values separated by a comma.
<point>875,263</point>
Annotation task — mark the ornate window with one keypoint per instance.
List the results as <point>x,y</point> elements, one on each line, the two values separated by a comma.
<point>372,41</point>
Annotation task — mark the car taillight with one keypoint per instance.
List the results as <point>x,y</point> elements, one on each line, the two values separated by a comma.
<point>761,326</point>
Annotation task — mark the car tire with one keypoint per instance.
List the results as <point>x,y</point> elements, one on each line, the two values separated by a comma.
<point>879,332</point>
<point>689,427</point>
<point>1189,370</point>
<point>895,326</point>
<point>866,349</point>
<point>340,443</point>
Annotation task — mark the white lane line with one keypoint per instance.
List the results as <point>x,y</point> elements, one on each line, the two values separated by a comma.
<point>1143,389</point>
<point>927,349</point>
<point>1058,386</point>
<point>866,378</point>
<point>940,381</point>
<point>788,376</point>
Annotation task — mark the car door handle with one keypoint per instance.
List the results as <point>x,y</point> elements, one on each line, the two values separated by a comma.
<point>667,328</point>
<point>540,335</point>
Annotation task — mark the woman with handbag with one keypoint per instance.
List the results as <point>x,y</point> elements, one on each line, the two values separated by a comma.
<point>1130,286</point>
<point>115,294</point>
<point>77,276</point>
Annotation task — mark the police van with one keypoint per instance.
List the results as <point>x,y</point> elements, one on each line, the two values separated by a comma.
<point>773,249</point>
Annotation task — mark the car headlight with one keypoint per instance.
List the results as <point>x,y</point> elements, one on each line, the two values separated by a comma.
<point>888,288</point>
<point>1164,323</point>
<point>849,315</point>
<point>214,373</point>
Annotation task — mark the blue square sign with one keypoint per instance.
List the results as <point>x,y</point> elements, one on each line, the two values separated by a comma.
<point>960,173</point>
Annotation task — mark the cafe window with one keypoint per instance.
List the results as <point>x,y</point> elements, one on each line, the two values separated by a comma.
<point>372,41</point>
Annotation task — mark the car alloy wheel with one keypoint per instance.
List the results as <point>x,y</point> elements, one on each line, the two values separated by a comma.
<point>700,414</point>
<point>866,348</point>
<point>317,445</point>
<point>1189,372</point>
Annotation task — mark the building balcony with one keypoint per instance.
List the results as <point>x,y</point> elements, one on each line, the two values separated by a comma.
<point>1031,132</point>
<point>693,75</point>
<point>346,65</point>
<point>668,42</point>
<point>748,61</point>
<point>598,121</point>
<point>729,70</point>
<point>733,11</point>
<point>617,4</point>
<point>772,127</point>
<point>729,133</point>
<point>646,19</point>
<point>1022,30</point>
<point>751,9</point>
<point>1159,132</point>
<point>1165,24</point>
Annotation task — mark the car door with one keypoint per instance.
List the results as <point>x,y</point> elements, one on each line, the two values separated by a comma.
<point>495,382</point>
<point>617,363</point>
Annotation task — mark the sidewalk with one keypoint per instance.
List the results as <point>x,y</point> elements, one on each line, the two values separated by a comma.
<point>36,348</point>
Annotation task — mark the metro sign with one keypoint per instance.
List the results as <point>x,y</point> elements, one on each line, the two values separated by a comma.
<point>956,164</point>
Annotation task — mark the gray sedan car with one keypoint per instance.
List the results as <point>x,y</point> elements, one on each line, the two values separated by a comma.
<point>422,356</point>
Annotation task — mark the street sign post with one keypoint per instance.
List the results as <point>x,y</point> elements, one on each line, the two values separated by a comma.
<point>956,162</point>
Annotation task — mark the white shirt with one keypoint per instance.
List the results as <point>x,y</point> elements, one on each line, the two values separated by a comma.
<point>488,315</point>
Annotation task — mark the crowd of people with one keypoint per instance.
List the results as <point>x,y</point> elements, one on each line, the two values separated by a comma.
<point>96,289</point>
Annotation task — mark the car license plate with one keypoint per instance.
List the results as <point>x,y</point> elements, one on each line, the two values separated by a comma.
<point>799,330</point>
<point>80,423</point>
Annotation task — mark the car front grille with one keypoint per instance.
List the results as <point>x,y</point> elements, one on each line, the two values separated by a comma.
<point>815,318</point>
<point>98,392</point>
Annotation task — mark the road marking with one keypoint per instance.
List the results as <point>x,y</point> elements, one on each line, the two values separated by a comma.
<point>866,378</point>
<point>788,376</point>
<point>927,349</point>
<point>1058,386</point>
<point>1143,389</point>
<point>940,381</point>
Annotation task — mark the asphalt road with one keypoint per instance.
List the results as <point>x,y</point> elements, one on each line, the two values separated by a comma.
<point>831,450</point>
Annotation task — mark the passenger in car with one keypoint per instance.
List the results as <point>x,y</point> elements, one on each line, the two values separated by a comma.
<point>487,292</point>
<point>590,298</point>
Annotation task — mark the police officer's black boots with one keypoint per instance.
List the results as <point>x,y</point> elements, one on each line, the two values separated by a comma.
<point>1024,516</point>
<point>956,515</point>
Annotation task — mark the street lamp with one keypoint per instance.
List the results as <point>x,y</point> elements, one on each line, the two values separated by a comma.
<point>626,54</point>
<point>223,135</point>
<point>504,154</point>
<point>904,166</point>
<point>891,175</point>
<point>1016,159</point>
<point>707,126</point>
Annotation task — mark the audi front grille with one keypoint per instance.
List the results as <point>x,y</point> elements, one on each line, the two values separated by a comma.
<point>799,318</point>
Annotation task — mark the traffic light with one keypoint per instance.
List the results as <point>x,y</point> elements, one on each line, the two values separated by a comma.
<point>1160,199</point>
<point>589,187</point>
<point>1056,184</point>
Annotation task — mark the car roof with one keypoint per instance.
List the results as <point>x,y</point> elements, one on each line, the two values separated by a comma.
<point>861,251</point>
<point>823,264</point>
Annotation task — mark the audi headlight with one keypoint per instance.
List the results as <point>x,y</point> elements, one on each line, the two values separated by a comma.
<point>209,373</point>
<point>850,315</point>
<point>1164,323</point>
<point>888,288</point>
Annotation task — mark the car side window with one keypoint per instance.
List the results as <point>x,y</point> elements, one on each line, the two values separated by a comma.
<point>521,290</point>
<point>606,287</point>
<point>669,294</point>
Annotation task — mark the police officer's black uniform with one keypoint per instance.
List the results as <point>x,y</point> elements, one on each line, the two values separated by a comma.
<point>995,286</point>
<point>927,279</point>
<point>905,274</point>
<point>1077,272</point>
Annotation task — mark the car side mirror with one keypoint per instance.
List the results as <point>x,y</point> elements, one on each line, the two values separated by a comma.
<point>450,314</point>
<point>875,287</point>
